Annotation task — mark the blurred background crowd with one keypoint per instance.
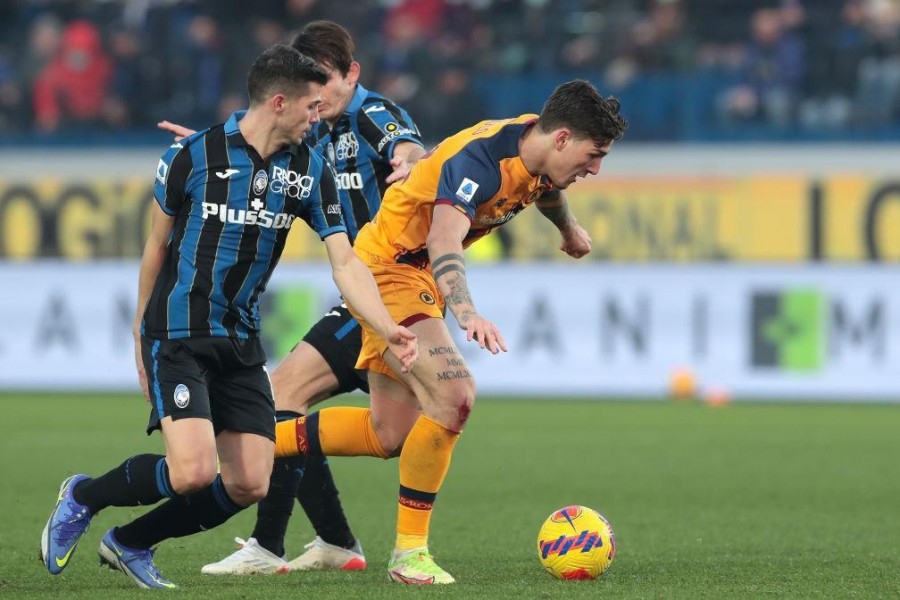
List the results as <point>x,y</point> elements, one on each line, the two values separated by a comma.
<point>686,70</point>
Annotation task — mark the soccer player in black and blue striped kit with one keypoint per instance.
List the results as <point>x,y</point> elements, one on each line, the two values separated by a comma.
<point>226,199</point>
<point>371,142</point>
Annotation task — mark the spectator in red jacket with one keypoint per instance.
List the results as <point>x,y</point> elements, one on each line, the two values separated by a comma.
<point>72,89</point>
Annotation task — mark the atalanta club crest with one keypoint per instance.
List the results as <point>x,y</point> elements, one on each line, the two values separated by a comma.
<point>182,395</point>
<point>260,181</point>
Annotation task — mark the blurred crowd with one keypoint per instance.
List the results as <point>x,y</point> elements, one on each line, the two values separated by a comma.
<point>81,66</point>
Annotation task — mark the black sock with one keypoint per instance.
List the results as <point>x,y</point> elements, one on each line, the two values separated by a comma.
<point>180,516</point>
<point>319,497</point>
<point>274,511</point>
<point>140,480</point>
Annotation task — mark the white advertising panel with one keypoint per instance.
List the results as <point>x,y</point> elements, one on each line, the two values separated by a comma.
<point>778,332</point>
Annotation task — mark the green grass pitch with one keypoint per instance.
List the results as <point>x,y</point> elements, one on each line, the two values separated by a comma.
<point>749,500</point>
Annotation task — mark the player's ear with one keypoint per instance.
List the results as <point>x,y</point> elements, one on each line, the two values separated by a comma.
<point>277,103</point>
<point>562,138</point>
<point>353,73</point>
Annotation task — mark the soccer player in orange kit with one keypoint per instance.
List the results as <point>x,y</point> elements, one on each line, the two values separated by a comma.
<point>470,184</point>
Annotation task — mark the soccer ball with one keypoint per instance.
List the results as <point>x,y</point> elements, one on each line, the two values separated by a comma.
<point>576,542</point>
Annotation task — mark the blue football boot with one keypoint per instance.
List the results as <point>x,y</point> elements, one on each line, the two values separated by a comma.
<point>137,563</point>
<point>67,523</point>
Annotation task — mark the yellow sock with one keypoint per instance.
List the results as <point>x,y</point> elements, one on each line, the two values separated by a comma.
<point>337,431</point>
<point>348,431</point>
<point>286,438</point>
<point>424,462</point>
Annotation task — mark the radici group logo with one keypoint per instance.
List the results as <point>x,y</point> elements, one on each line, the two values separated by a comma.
<point>788,330</point>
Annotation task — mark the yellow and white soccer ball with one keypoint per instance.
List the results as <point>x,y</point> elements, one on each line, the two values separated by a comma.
<point>576,542</point>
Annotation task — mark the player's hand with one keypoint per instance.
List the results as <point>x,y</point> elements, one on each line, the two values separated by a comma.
<point>484,332</point>
<point>576,241</point>
<point>179,131</point>
<point>142,375</point>
<point>403,344</point>
<point>401,170</point>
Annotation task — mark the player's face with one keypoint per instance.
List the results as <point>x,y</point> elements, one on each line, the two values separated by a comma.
<point>300,113</point>
<point>336,94</point>
<point>575,159</point>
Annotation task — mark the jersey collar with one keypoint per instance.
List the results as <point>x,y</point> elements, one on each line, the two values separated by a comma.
<point>236,138</point>
<point>530,121</point>
<point>356,102</point>
<point>232,131</point>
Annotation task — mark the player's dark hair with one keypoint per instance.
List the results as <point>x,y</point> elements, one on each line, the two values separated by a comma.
<point>327,43</point>
<point>282,69</point>
<point>580,107</point>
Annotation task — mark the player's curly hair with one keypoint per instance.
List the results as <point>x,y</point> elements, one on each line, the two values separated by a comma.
<point>282,69</point>
<point>579,106</point>
<point>327,43</point>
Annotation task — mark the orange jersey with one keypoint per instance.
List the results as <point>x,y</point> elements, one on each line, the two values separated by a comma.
<point>478,171</point>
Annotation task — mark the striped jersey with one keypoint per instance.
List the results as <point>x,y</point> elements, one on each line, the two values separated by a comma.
<point>360,146</point>
<point>478,171</point>
<point>232,212</point>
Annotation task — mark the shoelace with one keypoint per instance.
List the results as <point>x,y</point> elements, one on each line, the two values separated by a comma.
<point>72,527</point>
<point>425,556</point>
<point>146,557</point>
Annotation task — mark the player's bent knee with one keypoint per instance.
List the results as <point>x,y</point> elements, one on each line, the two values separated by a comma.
<point>392,450</point>
<point>395,452</point>
<point>455,416</point>
<point>391,441</point>
<point>454,406</point>
<point>192,477</point>
<point>246,493</point>
<point>463,410</point>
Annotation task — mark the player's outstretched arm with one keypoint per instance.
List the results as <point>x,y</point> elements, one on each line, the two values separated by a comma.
<point>405,155</point>
<point>151,263</point>
<point>575,240</point>
<point>356,284</point>
<point>178,131</point>
<point>445,250</point>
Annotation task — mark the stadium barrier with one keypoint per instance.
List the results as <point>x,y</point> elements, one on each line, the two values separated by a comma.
<point>774,332</point>
<point>636,219</point>
<point>649,205</point>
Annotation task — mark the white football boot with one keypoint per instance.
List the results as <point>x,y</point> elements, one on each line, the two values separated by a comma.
<point>322,556</point>
<point>249,559</point>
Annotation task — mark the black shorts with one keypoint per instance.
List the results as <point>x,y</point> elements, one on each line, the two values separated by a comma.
<point>217,378</point>
<point>338,338</point>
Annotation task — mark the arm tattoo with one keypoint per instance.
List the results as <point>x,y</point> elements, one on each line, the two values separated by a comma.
<point>551,197</point>
<point>453,285</point>
<point>559,214</point>
<point>459,292</point>
<point>448,269</point>
<point>442,259</point>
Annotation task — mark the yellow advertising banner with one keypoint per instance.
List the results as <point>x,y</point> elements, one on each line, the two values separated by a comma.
<point>102,219</point>
<point>630,219</point>
<point>751,219</point>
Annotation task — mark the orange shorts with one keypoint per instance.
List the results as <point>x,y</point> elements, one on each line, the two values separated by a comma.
<point>409,294</point>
